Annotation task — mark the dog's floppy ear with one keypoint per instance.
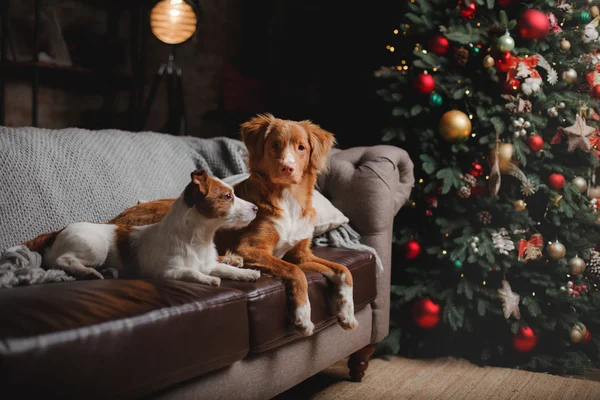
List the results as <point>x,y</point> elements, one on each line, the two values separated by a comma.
<point>198,187</point>
<point>254,133</point>
<point>321,141</point>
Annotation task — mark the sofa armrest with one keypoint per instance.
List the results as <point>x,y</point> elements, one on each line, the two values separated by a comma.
<point>370,185</point>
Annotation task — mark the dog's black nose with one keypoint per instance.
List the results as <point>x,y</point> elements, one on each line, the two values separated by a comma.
<point>254,208</point>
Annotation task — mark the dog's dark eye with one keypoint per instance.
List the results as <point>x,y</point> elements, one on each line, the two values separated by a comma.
<point>301,147</point>
<point>228,196</point>
<point>275,145</point>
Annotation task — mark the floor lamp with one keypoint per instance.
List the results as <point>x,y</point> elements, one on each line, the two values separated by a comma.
<point>172,22</point>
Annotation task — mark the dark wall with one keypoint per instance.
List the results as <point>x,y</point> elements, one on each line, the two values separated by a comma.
<point>297,59</point>
<point>317,58</point>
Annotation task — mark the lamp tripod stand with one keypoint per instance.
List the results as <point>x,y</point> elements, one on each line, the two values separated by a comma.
<point>176,117</point>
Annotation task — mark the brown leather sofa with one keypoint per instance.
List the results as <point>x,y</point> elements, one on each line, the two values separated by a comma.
<point>124,339</point>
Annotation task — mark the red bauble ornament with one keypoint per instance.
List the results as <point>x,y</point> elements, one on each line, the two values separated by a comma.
<point>503,62</point>
<point>504,3</point>
<point>525,340</point>
<point>432,201</point>
<point>512,85</point>
<point>412,249</point>
<point>533,24</point>
<point>556,181</point>
<point>476,169</point>
<point>586,339</point>
<point>424,83</point>
<point>426,313</point>
<point>439,45</point>
<point>596,92</point>
<point>535,143</point>
<point>467,11</point>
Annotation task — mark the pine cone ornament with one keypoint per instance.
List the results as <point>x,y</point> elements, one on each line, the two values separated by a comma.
<point>464,192</point>
<point>524,106</point>
<point>584,88</point>
<point>511,108</point>
<point>461,56</point>
<point>469,179</point>
<point>484,217</point>
<point>593,267</point>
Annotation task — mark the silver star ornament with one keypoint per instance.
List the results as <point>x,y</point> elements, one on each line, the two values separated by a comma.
<point>578,134</point>
<point>510,301</point>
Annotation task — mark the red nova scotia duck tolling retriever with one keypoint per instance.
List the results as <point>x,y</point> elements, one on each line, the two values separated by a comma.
<point>285,158</point>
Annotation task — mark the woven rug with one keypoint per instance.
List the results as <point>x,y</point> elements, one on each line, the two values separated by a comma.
<point>399,378</point>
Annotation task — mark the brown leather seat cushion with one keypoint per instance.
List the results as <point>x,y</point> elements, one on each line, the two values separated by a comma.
<point>270,326</point>
<point>116,338</point>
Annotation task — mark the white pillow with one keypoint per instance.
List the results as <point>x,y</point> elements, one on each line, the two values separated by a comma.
<point>328,217</point>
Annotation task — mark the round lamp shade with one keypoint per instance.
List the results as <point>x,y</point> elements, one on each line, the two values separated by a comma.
<point>173,21</point>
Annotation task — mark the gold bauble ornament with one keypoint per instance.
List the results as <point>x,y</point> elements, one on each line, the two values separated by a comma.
<point>455,125</point>
<point>594,192</point>
<point>520,205</point>
<point>569,76</point>
<point>577,265</point>
<point>565,44</point>
<point>594,11</point>
<point>488,62</point>
<point>505,153</point>
<point>580,183</point>
<point>578,332</point>
<point>557,250</point>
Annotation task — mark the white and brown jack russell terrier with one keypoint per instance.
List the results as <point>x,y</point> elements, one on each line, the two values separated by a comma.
<point>179,247</point>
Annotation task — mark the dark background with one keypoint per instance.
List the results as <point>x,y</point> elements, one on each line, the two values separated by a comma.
<point>296,59</point>
<point>317,60</point>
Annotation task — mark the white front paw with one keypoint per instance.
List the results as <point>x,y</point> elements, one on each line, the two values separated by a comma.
<point>214,281</point>
<point>347,322</point>
<point>345,313</point>
<point>252,275</point>
<point>302,320</point>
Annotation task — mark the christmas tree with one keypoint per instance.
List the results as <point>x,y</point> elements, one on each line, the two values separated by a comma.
<point>496,101</point>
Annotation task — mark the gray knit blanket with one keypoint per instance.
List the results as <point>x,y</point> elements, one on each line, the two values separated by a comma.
<point>52,178</point>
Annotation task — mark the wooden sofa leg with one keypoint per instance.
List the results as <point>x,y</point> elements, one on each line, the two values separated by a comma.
<point>359,362</point>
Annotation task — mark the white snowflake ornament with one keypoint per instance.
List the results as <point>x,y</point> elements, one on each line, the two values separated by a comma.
<point>502,241</point>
